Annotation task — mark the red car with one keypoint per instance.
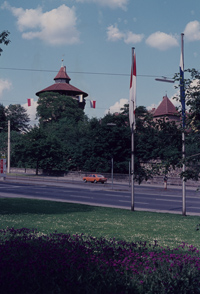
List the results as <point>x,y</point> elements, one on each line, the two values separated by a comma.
<point>95,178</point>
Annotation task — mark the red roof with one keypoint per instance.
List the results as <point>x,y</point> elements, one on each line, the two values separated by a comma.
<point>62,85</point>
<point>62,74</point>
<point>166,107</point>
<point>65,88</point>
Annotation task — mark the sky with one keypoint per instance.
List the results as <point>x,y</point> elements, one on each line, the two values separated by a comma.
<point>94,39</point>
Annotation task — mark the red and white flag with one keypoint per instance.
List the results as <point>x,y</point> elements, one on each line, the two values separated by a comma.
<point>92,103</point>
<point>29,101</point>
<point>132,100</point>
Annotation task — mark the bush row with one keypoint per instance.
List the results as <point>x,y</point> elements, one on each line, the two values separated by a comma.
<point>61,263</point>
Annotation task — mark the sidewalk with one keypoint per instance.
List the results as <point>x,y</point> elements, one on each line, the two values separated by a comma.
<point>68,181</point>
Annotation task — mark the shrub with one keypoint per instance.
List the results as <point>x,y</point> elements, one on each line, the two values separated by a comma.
<point>61,263</point>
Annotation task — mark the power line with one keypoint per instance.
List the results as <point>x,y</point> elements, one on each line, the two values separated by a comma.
<point>78,72</point>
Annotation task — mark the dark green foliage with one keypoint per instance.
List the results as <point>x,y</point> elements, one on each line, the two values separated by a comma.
<point>192,131</point>
<point>3,125</point>
<point>4,39</point>
<point>52,107</point>
<point>19,119</point>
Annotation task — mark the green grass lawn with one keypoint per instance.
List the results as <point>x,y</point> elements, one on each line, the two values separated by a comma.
<point>49,216</point>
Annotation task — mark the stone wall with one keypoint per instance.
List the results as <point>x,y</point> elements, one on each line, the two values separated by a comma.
<point>173,177</point>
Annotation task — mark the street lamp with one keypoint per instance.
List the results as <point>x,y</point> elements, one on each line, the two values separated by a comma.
<point>164,79</point>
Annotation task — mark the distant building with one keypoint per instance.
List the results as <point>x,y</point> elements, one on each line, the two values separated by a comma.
<point>166,110</point>
<point>63,87</point>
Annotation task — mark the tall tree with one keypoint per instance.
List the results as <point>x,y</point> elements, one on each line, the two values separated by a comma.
<point>19,119</point>
<point>2,118</point>
<point>192,131</point>
<point>4,39</point>
<point>53,107</point>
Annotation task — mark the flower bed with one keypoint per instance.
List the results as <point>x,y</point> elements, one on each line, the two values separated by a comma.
<point>61,263</point>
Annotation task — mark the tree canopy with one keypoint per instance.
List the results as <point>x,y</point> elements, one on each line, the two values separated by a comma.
<point>52,107</point>
<point>66,139</point>
<point>19,119</point>
<point>4,39</point>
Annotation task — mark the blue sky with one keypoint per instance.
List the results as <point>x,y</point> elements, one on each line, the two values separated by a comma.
<point>95,37</point>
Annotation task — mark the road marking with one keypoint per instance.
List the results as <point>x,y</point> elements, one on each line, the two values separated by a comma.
<point>135,202</point>
<point>168,200</point>
<point>85,197</point>
<point>119,196</point>
<point>10,187</point>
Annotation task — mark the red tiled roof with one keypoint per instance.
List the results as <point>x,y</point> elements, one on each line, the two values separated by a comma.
<point>63,87</point>
<point>166,107</point>
<point>62,74</point>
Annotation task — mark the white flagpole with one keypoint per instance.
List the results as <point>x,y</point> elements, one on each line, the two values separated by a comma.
<point>182,94</point>
<point>132,168</point>
<point>132,141</point>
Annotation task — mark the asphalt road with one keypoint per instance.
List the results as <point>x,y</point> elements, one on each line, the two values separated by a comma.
<point>146,197</point>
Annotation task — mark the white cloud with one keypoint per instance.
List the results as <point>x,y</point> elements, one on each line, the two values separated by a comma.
<point>114,34</point>
<point>4,85</point>
<point>131,38</point>
<point>161,41</point>
<point>31,111</point>
<point>55,27</point>
<point>192,31</point>
<point>117,106</point>
<point>153,106</point>
<point>109,3</point>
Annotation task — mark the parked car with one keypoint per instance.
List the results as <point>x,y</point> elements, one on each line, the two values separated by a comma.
<point>95,178</point>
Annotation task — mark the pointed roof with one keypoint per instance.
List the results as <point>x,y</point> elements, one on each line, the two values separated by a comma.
<point>166,108</point>
<point>63,86</point>
<point>62,75</point>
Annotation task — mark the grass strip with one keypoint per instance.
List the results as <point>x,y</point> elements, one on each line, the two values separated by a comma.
<point>50,216</point>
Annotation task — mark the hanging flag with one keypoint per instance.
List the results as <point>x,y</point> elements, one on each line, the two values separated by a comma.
<point>92,103</point>
<point>182,85</point>
<point>29,101</point>
<point>132,99</point>
<point>80,98</point>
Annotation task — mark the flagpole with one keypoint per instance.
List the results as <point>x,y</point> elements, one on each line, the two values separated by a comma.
<point>132,146</point>
<point>182,96</point>
<point>132,167</point>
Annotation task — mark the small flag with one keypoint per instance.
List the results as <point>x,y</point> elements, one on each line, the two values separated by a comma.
<point>92,103</point>
<point>80,98</point>
<point>132,101</point>
<point>29,101</point>
<point>182,86</point>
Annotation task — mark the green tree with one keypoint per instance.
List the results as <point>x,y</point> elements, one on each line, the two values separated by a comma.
<point>53,107</point>
<point>40,150</point>
<point>192,131</point>
<point>19,119</point>
<point>4,39</point>
<point>3,126</point>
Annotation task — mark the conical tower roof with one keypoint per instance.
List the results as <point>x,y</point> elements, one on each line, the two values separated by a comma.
<point>166,108</point>
<point>62,75</point>
<point>62,85</point>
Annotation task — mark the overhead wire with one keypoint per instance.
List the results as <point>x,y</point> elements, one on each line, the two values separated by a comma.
<point>81,72</point>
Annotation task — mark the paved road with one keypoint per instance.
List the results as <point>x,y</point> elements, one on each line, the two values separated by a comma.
<point>147,197</point>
